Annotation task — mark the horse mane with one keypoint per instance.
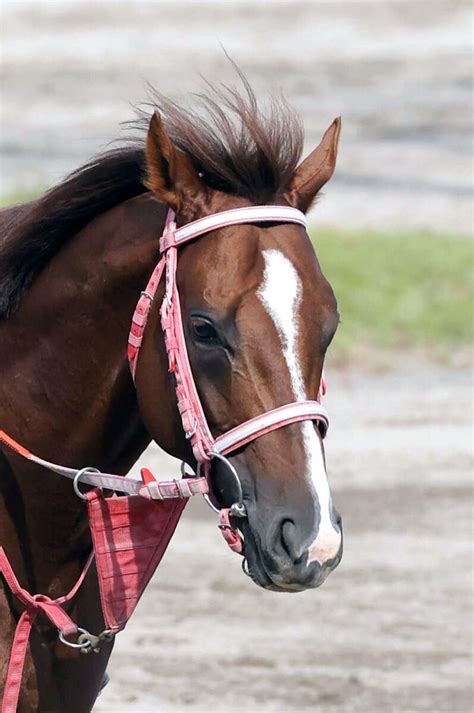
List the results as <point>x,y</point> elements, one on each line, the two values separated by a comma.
<point>235,147</point>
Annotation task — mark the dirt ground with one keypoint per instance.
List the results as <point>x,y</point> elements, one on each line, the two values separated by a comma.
<point>398,71</point>
<point>391,628</point>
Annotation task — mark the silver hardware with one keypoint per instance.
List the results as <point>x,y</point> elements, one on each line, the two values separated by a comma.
<point>245,567</point>
<point>90,642</point>
<point>144,293</point>
<point>182,469</point>
<point>78,476</point>
<point>210,503</point>
<point>87,642</point>
<point>83,646</point>
<point>107,635</point>
<point>238,508</point>
<point>189,434</point>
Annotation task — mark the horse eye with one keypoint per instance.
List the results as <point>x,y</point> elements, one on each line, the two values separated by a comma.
<point>205,332</point>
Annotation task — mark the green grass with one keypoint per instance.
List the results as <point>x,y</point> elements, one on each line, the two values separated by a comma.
<point>21,195</point>
<point>400,290</point>
<point>394,290</point>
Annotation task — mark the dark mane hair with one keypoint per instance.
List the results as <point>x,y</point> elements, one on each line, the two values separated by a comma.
<point>235,147</point>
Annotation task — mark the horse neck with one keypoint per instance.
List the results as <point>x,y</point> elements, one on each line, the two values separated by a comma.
<point>67,393</point>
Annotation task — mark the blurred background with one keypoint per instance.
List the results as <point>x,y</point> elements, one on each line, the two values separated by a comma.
<point>394,235</point>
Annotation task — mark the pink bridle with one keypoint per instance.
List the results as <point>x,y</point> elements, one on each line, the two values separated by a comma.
<point>205,447</point>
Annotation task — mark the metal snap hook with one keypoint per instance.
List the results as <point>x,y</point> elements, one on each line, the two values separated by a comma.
<point>78,476</point>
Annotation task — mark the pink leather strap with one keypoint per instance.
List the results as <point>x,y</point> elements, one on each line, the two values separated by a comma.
<point>230,534</point>
<point>140,316</point>
<point>189,404</point>
<point>35,604</point>
<point>270,421</point>
<point>161,490</point>
<point>180,488</point>
<point>236,216</point>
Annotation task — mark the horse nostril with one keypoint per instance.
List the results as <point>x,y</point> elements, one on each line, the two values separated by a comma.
<point>290,541</point>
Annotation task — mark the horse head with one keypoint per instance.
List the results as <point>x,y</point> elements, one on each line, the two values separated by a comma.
<point>258,315</point>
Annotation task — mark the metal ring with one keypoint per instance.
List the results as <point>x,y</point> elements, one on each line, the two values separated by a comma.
<point>227,462</point>
<point>64,641</point>
<point>78,476</point>
<point>206,497</point>
<point>245,567</point>
<point>182,469</point>
<point>238,508</point>
<point>210,503</point>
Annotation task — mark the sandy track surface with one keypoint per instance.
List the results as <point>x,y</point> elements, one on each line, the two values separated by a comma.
<point>398,71</point>
<point>390,630</point>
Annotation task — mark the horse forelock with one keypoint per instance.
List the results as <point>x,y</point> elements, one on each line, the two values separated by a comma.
<point>236,147</point>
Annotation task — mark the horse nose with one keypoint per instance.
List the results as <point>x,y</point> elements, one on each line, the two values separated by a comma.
<point>291,542</point>
<point>323,549</point>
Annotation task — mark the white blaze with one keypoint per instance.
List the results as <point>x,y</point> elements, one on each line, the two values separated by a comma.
<point>280,294</point>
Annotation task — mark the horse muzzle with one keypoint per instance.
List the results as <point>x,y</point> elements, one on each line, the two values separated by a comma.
<point>284,565</point>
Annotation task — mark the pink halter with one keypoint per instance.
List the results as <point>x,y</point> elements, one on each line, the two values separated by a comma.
<point>204,445</point>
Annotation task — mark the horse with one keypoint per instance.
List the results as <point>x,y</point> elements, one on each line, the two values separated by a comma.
<point>258,316</point>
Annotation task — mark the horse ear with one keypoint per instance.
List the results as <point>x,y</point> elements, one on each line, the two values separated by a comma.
<point>315,170</point>
<point>171,175</point>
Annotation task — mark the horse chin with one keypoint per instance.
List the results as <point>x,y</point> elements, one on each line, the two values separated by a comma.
<point>259,575</point>
<point>257,571</point>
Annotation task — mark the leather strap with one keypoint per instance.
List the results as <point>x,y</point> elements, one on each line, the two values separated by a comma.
<point>236,216</point>
<point>270,421</point>
<point>34,604</point>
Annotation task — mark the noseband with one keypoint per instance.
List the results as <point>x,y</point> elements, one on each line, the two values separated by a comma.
<point>204,445</point>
